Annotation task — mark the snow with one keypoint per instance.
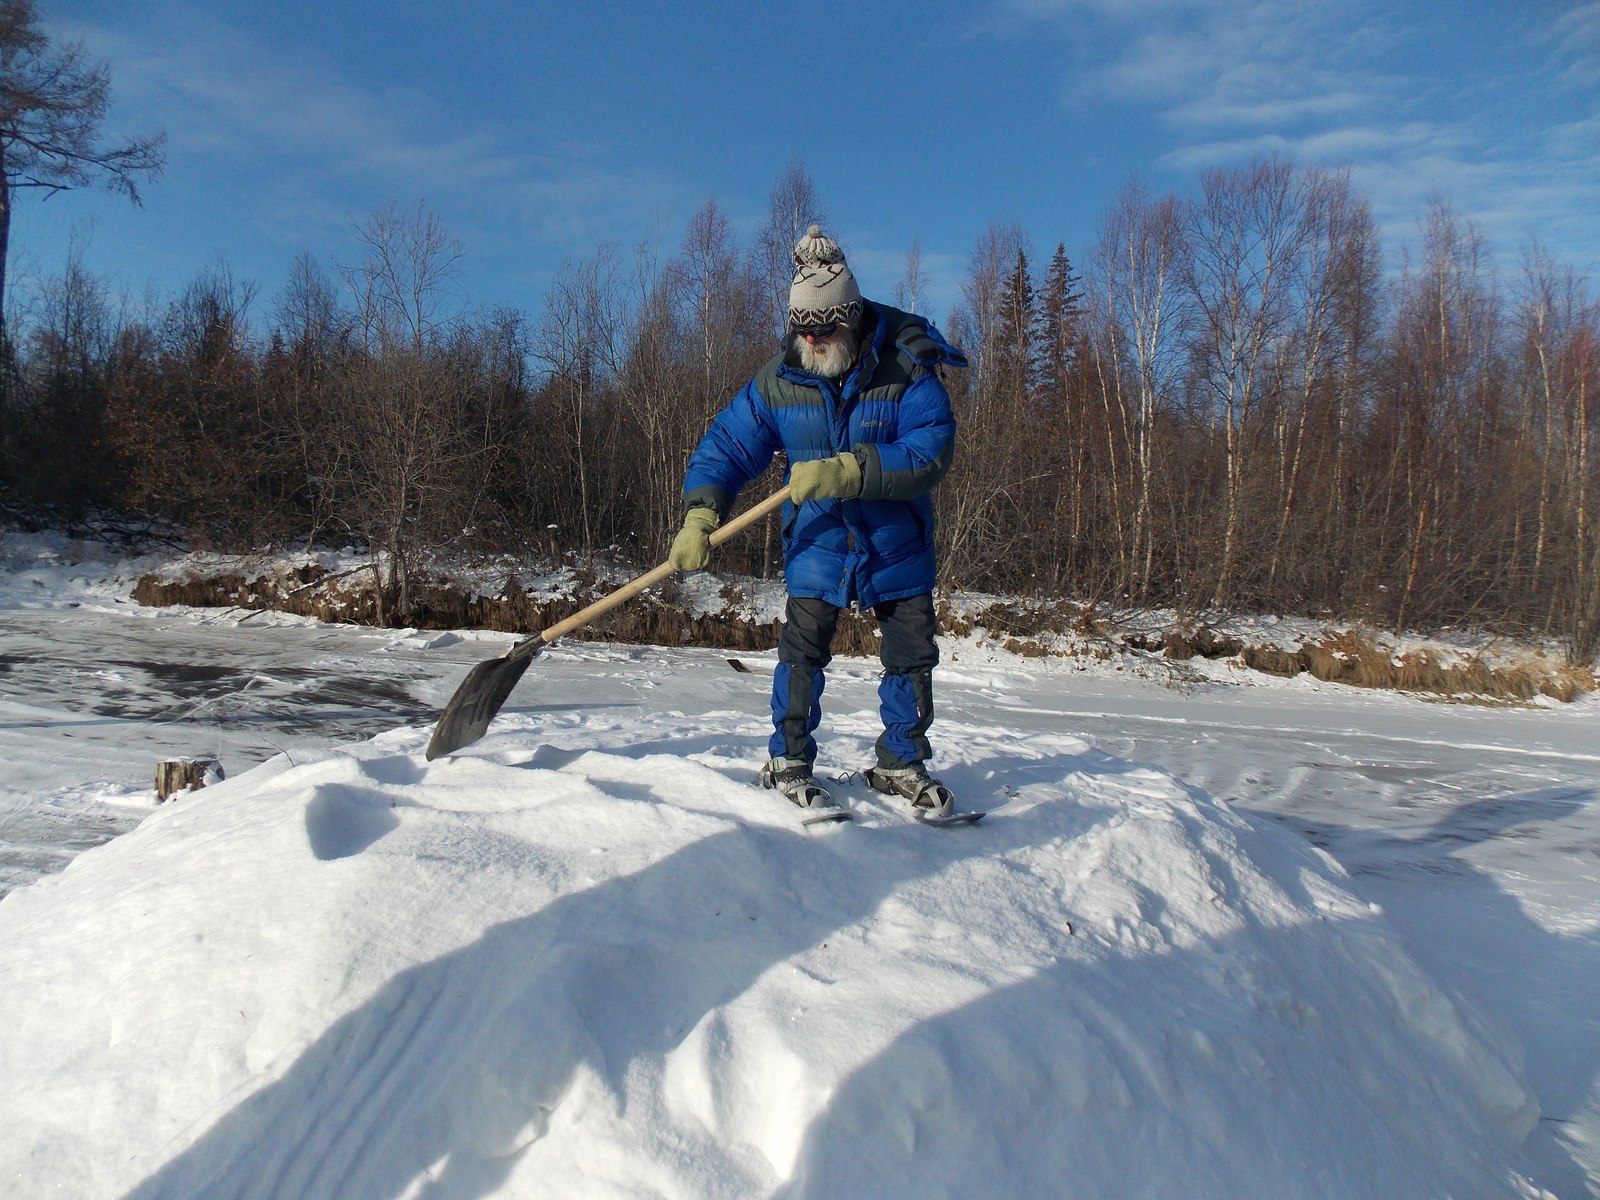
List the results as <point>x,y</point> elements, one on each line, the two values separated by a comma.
<point>1280,939</point>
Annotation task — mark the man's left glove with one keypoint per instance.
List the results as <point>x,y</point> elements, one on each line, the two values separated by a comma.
<point>691,549</point>
<point>823,478</point>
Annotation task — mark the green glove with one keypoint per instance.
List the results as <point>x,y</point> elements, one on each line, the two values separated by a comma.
<point>691,549</point>
<point>825,477</point>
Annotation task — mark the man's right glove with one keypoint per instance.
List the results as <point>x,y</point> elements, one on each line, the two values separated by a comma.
<point>691,549</point>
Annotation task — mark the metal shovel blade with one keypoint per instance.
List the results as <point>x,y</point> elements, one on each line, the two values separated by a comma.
<point>466,718</point>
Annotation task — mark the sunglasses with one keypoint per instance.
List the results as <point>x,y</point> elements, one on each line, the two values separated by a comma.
<point>817,331</point>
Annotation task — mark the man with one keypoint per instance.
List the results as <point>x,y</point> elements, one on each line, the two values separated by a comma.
<point>856,403</point>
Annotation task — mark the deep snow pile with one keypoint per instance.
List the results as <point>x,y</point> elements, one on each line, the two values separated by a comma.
<point>587,958</point>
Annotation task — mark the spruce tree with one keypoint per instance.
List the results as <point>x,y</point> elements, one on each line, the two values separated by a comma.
<point>1056,328</point>
<point>1014,354</point>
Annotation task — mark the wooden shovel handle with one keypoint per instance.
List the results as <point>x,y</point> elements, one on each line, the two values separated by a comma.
<point>650,578</point>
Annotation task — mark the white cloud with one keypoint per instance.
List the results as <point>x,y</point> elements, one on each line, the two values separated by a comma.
<point>1574,41</point>
<point>321,143</point>
<point>1326,147</point>
<point>1368,85</point>
<point>1267,110</point>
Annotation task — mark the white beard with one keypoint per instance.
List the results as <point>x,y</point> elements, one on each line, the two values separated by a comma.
<point>833,359</point>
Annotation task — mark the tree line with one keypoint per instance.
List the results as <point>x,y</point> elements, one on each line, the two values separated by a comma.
<point>1229,405</point>
<point>1236,408</point>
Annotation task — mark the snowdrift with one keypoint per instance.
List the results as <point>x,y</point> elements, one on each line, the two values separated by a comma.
<point>588,959</point>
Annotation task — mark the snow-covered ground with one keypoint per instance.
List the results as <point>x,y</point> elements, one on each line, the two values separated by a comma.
<point>1258,937</point>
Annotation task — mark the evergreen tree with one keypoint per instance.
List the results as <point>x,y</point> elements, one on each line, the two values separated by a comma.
<point>1014,354</point>
<point>1056,329</point>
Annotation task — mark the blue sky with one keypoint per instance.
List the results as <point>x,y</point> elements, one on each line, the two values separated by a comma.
<point>539,131</point>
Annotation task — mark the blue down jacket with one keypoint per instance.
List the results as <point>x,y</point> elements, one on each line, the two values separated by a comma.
<point>893,413</point>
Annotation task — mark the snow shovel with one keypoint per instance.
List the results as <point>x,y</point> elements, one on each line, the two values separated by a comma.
<point>467,716</point>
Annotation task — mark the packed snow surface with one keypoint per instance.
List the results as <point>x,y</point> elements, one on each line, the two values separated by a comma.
<point>585,957</point>
<point>604,965</point>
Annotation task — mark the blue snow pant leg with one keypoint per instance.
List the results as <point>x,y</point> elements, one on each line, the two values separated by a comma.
<point>905,695</point>
<point>804,651</point>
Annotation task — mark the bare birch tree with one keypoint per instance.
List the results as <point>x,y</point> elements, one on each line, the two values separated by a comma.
<point>1560,336</point>
<point>908,292</point>
<point>1246,230</point>
<point>580,344</point>
<point>1135,309</point>
<point>1331,260</point>
<point>1444,364</point>
<point>792,206</point>
<point>406,432</point>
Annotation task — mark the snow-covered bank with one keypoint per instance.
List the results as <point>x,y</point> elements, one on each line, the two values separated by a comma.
<point>546,969</point>
<point>741,614</point>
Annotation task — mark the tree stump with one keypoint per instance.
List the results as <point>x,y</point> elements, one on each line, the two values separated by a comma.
<point>185,775</point>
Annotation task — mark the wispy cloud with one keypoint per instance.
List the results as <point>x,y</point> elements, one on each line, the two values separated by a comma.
<point>322,143</point>
<point>1203,56</point>
<point>1573,39</point>
<point>1366,85</point>
<point>1341,145</point>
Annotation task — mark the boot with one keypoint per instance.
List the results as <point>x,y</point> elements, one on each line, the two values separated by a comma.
<point>916,785</point>
<point>793,778</point>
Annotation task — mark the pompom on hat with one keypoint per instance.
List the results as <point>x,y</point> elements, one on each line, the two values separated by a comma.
<point>823,288</point>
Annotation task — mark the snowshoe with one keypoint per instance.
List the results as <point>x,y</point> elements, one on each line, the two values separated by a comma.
<point>928,796</point>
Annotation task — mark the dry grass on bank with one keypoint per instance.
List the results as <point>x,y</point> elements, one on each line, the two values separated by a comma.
<point>1355,657</point>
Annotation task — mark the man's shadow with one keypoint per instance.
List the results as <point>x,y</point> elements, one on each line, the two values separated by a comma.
<point>1524,973</point>
<point>903,1123</point>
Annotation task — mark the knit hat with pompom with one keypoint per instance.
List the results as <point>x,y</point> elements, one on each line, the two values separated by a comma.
<point>823,289</point>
